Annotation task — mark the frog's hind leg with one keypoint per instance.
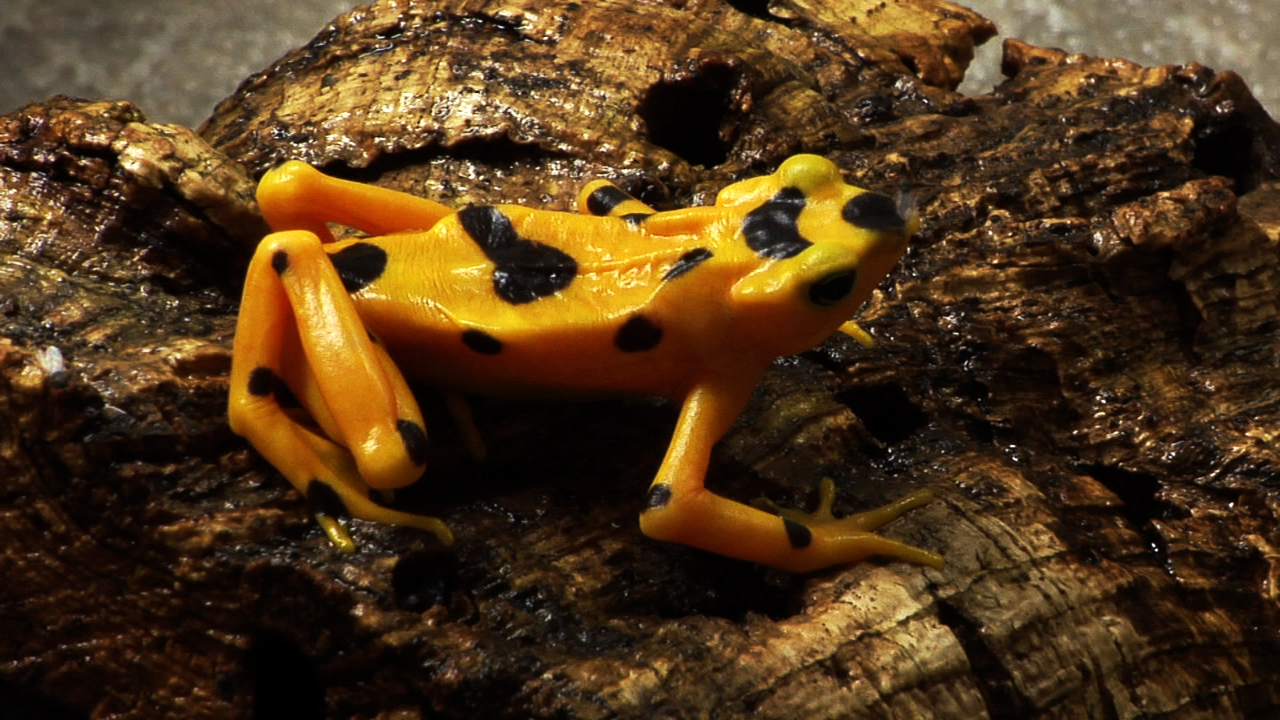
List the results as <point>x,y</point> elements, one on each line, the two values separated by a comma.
<point>604,199</point>
<point>368,429</point>
<point>296,196</point>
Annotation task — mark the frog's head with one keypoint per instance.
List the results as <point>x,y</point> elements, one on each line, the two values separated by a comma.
<point>824,247</point>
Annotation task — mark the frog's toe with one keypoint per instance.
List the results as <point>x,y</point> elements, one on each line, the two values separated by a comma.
<point>850,539</point>
<point>332,502</point>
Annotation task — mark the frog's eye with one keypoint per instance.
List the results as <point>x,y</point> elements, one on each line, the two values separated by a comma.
<point>833,288</point>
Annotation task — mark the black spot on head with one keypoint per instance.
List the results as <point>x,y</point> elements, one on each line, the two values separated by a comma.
<point>873,211</point>
<point>771,230</point>
<point>659,496</point>
<point>262,382</point>
<point>481,342</point>
<point>799,535</point>
<point>415,440</point>
<point>687,262</point>
<point>605,198</point>
<point>523,270</point>
<point>324,500</point>
<point>279,261</point>
<point>637,335</point>
<point>359,264</point>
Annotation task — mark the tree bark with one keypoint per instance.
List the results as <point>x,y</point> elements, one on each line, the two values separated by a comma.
<point>1078,354</point>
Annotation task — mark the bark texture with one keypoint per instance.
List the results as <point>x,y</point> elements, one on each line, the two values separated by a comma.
<point>1079,354</point>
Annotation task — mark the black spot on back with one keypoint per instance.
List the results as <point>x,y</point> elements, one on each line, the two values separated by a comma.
<point>415,440</point>
<point>687,262</point>
<point>873,211</point>
<point>523,270</point>
<point>280,261</point>
<point>637,335</point>
<point>481,342</point>
<point>605,198</point>
<point>771,229</point>
<point>359,264</point>
<point>325,501</point>
<point>799,535</point>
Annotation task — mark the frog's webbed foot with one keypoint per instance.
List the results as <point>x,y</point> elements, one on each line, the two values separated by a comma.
<point>855,531</point>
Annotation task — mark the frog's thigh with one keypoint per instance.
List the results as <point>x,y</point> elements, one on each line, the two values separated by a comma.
<point>680,509</point>
<point>296,196</point>
<point>291,288</point>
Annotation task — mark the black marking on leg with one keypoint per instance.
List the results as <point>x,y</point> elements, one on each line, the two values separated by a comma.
<point>523,270</point>
<point>280,261</point>
<point>687,262</point>
<point>285,397</point>
<point>658,497</point>
<point>415,440</point>
<point>771,230</point>
<point>873,211</point>
<point>262,382</point>
<point>481,342</point>
<point>325,501</point>
<point>605,198</point>
<point>637,335</point>
<point>359,264</point>
<point>799,535</point>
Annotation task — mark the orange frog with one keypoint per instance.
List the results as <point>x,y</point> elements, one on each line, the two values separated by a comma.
<point>692,305</point>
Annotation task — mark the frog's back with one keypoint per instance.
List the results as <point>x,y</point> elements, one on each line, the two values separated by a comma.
<point>506,299</point>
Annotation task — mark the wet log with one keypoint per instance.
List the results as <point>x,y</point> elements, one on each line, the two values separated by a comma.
<point>1078,354</point>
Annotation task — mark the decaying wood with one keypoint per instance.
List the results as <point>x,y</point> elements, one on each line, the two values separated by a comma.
<point>1078,354</point>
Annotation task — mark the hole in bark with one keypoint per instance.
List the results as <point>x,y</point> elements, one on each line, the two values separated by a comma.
<point>285,681</point>
<point>886,412</point>
<point>1136,490</point>
<point>1228,151</point>
<point>685,114</point>
<point>758,9</point>
<point>422,580</point>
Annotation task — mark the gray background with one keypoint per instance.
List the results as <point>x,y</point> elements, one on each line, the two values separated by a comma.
<point>177,58</point>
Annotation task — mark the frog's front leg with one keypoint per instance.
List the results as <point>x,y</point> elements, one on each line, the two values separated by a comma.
<point>370,431</point>
<point>680,509</point>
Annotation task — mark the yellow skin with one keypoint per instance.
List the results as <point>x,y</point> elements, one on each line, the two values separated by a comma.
<point>692,305</point>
